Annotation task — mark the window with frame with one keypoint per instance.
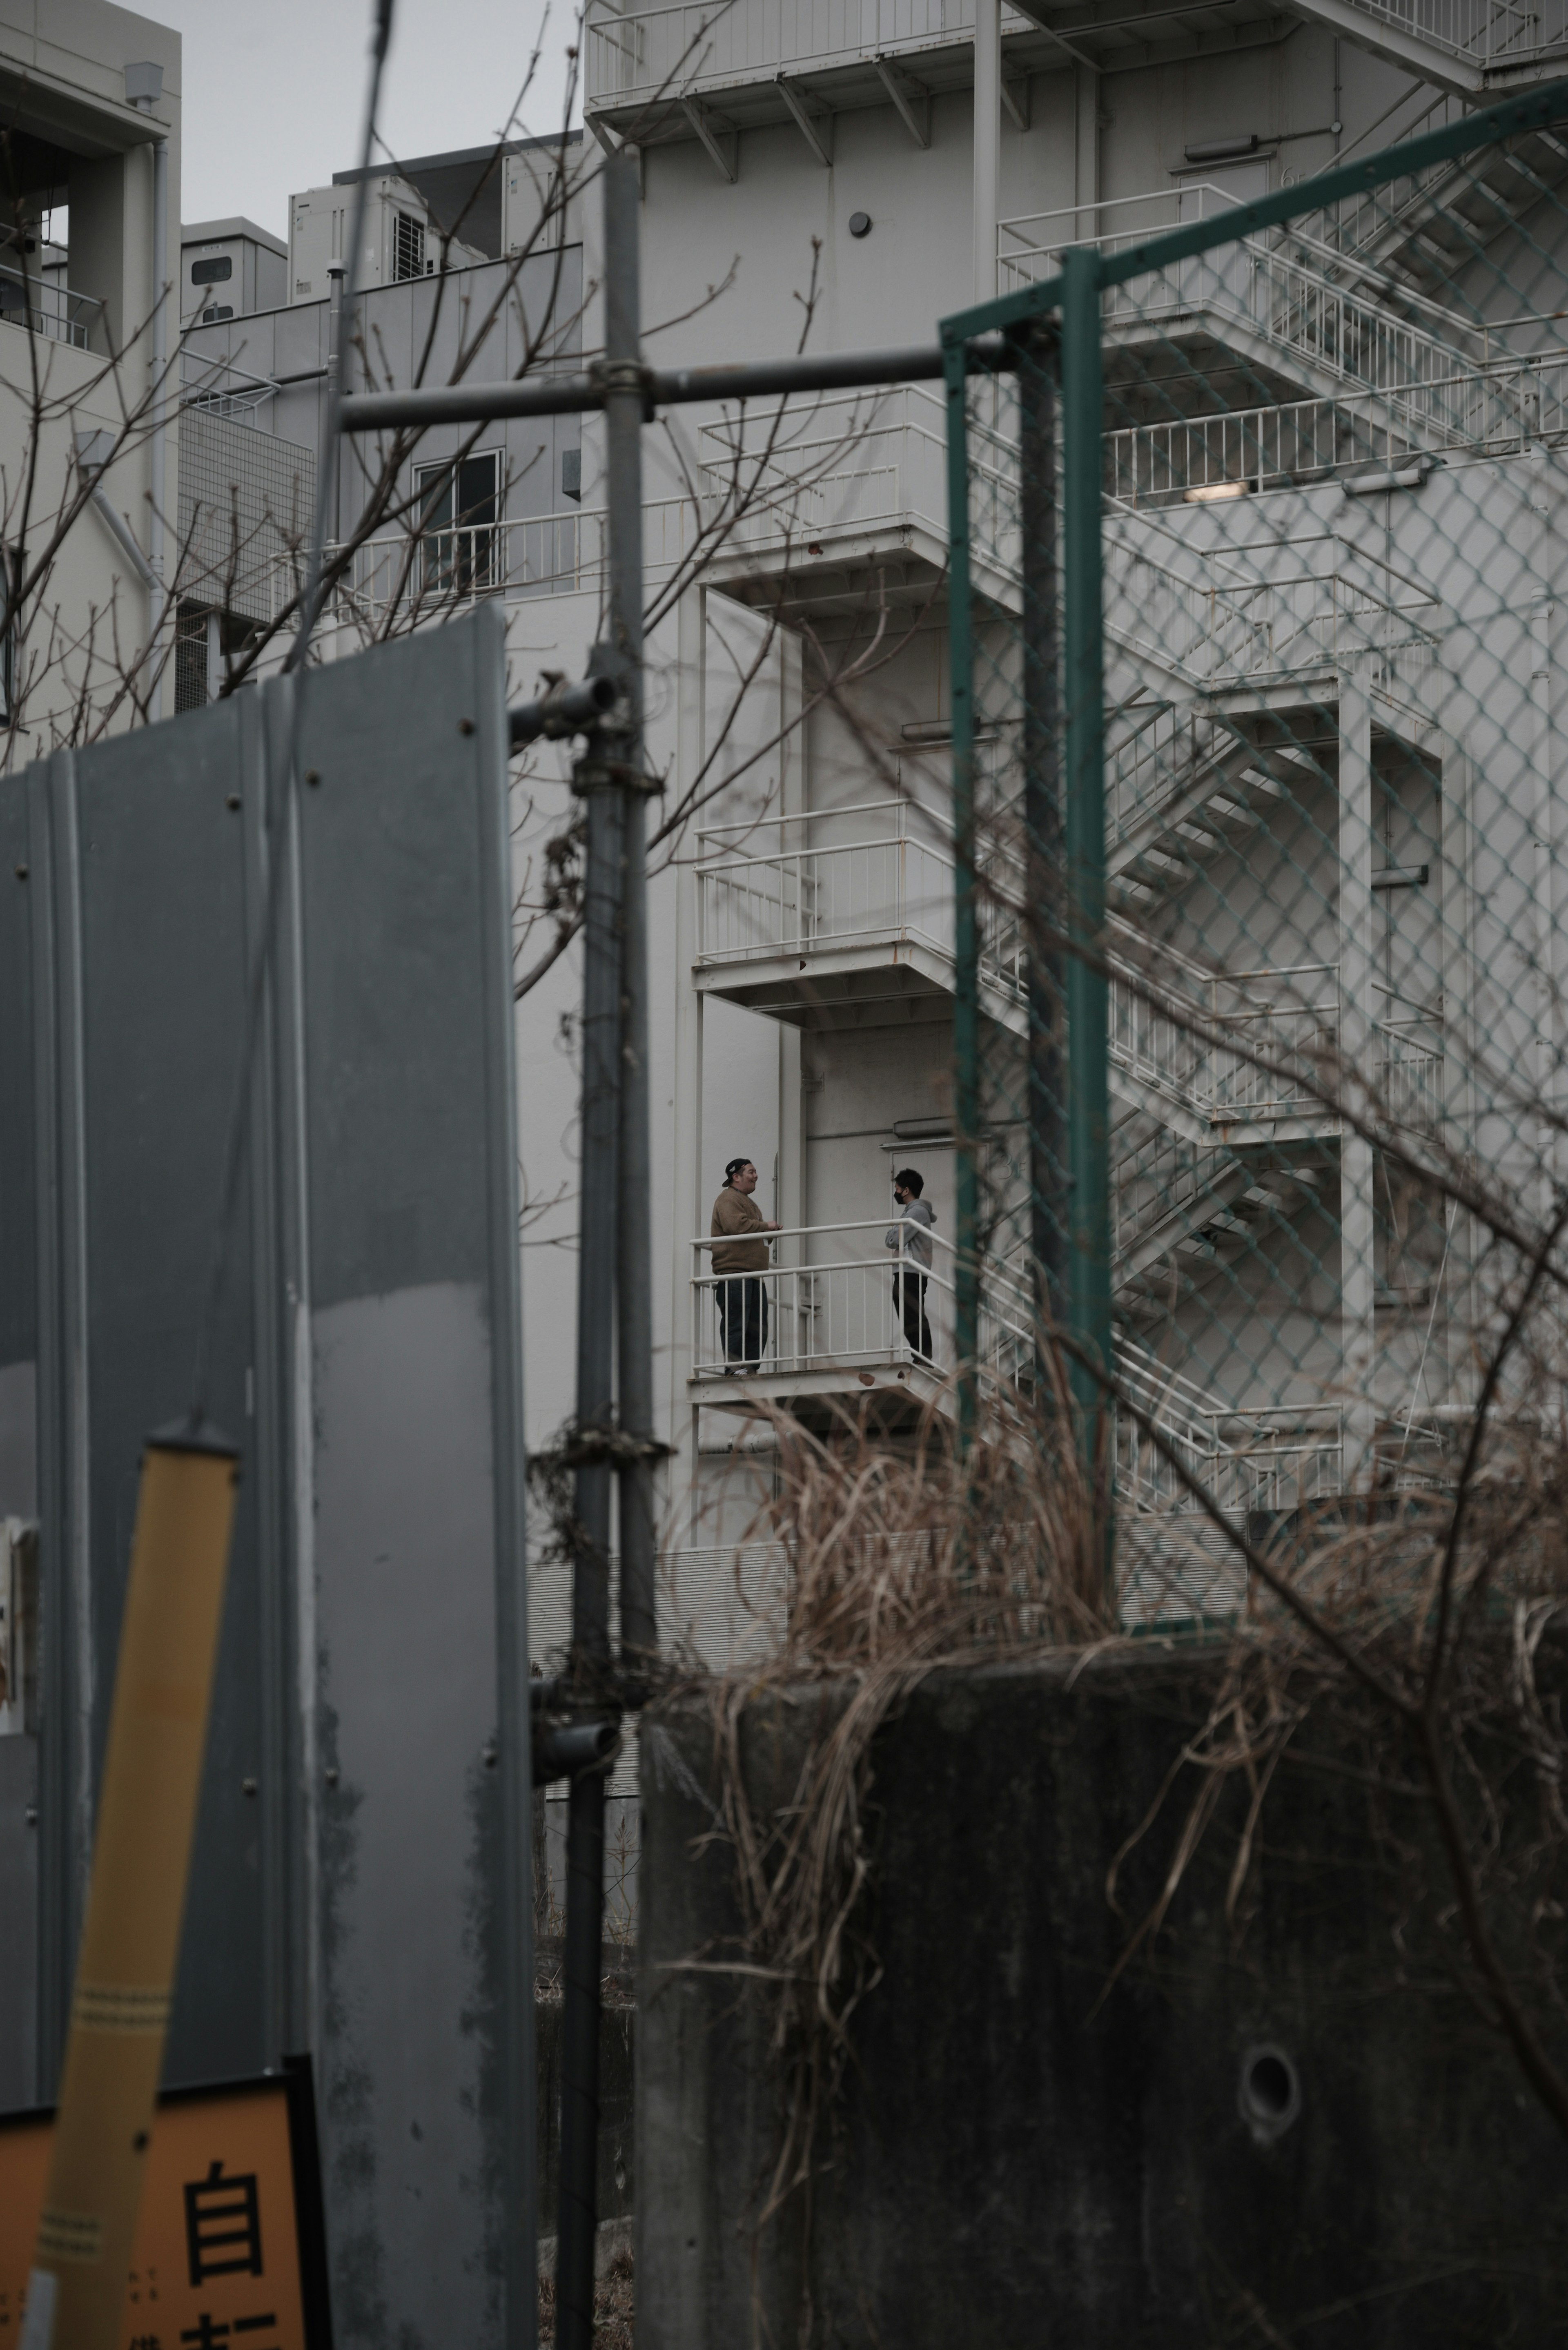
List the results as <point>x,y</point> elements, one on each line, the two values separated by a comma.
<point>458,523</point>
<point>408,248</point>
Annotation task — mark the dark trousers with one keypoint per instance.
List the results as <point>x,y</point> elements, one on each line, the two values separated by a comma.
<point>910,1296</point>
<point>743,1319</point>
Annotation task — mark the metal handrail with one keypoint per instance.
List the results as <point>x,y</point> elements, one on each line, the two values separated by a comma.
<point>52,308</point>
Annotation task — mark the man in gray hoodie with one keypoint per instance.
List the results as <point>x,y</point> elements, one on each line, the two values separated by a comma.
<point>910,1236</point>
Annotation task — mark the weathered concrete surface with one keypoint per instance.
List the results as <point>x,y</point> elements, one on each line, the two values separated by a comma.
<point>1014,2165</point>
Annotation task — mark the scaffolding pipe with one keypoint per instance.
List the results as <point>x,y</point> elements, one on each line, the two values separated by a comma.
<point>569,395</point>
<point>634,1294</point>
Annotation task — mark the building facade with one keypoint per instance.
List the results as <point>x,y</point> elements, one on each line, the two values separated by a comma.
<point>849,190</point>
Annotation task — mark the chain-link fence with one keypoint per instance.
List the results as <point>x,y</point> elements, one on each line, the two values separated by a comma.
<point>1261,830</point>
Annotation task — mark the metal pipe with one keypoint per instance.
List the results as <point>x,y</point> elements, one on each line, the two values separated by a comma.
<point>987,141</point>
<point>334,372</point>
<point>1049,1203</point>
<point>564,710</point>
<point>597,1256</point>
<point>158,594</point>
<point>122,537</point>
<point>634,1288</point>
<point>966,934</point>
<point>1089,1174</point>
<point>374,412</point>
<point>563,1749</point>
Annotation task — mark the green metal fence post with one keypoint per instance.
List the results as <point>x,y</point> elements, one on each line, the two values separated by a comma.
<point>966,934</point>
<point>1088,1092</point>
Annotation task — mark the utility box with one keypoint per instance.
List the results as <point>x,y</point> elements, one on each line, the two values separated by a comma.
<point>230,269</point>
<point>401,241</point>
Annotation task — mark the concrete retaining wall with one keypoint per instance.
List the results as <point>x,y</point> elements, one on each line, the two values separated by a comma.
<point>1014,2164</point>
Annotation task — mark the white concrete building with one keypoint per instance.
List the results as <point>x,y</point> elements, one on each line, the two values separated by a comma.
<point>853,184</point>
<point>91,98</point>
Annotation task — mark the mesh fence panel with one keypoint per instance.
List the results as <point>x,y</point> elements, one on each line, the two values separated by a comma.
<point>1261,831</point>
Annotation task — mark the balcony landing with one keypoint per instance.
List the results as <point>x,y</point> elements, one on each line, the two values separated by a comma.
<point>881,984</point>
<point>880,1393</point>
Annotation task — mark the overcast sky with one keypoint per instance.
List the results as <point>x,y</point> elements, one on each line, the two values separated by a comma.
<point>273,89</point>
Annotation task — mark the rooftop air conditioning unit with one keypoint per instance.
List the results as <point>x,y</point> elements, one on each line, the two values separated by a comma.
<point>401,241</point>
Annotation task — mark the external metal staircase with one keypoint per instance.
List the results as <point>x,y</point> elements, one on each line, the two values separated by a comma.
<point>1471,48</point>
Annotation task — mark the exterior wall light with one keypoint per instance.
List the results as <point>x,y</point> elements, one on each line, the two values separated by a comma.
<point>1210,493</point>
<point>859,224</point>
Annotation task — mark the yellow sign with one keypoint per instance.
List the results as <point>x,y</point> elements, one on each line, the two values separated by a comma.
<point>228,2243</point>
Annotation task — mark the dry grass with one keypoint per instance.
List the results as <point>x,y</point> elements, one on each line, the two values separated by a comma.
<point>1408,1621</point>
<point>902,1559</point>
<point>614,2308</point>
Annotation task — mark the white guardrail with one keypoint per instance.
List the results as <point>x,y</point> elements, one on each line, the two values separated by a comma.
<point>646,52</point>
<point>864,875</point>
<point>431,573</point>
<point>838,1307</point>
<point>835,1297</point>
<point>42,301</point>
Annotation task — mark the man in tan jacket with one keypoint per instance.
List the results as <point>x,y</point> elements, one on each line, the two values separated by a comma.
<point>741,1254</point>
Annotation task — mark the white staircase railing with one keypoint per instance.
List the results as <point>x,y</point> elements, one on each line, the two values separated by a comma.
<point>836,1306</point>
<point>1229,1048</point>
<point>1262,282</point>
<point>1486,34</point>
<point>1228,613</point>
<point>1253,1457</point>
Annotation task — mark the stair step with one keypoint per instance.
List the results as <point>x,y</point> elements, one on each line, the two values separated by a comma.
<point>1230,811</point>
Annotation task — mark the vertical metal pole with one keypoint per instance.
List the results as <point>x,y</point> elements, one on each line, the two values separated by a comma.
<point>1088,1141</point>
<point>613,1267</point>
<point>1359,921</point>
<point>634,1294</point>
<point>158,594</point>
<point>987,143</point>
<point>966,935</point>
<point>1043,833</point>
<point>590,1572</point>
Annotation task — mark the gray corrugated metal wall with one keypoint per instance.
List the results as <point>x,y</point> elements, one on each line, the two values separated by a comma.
<point>351,1876</point>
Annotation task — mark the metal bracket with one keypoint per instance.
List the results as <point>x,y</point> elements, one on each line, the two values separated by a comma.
<point>594,773</point>
<point>591,1445</point>
<point>907,96</point>
<point>818,131</point>
<point>711,128</point>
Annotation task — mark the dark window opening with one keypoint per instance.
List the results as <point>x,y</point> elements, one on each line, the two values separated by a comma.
<point>572,473</point>
<point>215,271</point>
<point>216,310</point>
<point>460,521</point>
